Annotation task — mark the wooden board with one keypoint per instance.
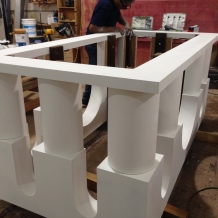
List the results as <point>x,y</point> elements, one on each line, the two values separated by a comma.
<point>168,46</point>
<point>207,137</point>
<point>31,100</point>
<point>131,51</point>
<point>175,211</point>
<point>29,83</point>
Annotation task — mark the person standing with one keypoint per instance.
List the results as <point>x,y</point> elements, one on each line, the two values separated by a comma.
<point>104,19</point>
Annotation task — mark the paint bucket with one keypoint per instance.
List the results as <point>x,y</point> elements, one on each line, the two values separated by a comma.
<point>30,26</point>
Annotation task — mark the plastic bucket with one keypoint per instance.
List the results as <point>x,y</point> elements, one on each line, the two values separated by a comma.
<point>30,26</point>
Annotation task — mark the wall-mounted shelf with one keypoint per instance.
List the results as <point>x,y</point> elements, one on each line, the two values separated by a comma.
<point>38,24</point>
<point>70,14</point>
<point>46,3</point>
<point>66,8</point>
<point>67,21</point>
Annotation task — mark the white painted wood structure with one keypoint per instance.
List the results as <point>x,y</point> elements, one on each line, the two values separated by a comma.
<point>149,134</point>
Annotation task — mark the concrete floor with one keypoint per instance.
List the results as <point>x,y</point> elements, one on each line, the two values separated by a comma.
<point>199,170</point>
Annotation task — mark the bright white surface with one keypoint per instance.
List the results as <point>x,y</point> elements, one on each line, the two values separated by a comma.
<point>13,121</point>
<point>132,153</point>
<point>151,77</point>
<point>62,130</point>
<point>170,34</point>
<point>169,106</point>
<point>43,48</point>
<point>58,186</point>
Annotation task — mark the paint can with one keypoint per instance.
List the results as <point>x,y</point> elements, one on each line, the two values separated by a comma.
<point>30,26</point>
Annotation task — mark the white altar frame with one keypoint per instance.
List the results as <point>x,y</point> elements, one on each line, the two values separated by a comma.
<point>149,133</point>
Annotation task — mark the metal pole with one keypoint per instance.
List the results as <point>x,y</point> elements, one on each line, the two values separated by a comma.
<point>17,16</point>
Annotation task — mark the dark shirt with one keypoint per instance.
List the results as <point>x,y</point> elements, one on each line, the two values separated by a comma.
<point>104,14</point>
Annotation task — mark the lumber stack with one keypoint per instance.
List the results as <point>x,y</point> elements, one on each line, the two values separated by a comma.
<point>30,93</point>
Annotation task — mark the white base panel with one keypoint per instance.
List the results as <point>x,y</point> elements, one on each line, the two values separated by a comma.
<point>118,193</point>
<point>59,188</point>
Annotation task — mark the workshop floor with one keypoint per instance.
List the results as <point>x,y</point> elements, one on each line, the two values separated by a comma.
<point>199,170</point>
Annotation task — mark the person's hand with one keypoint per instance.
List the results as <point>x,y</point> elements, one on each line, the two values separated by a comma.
<point>128,30</point>
<point>118,29</point>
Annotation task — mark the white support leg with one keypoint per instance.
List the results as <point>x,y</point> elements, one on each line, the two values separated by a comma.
<point>132,131</point>
<point>12,116</point>
<point>61,117</point>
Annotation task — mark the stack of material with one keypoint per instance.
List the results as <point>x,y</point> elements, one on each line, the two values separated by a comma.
<point>31,96</point>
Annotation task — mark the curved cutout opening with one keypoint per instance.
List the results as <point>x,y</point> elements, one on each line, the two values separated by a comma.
<point>189,115</point>
<point>23,165</point>
<point>201,110</point>
<point>85,204</point>
<point>166,176</point>
<point>93,107</point>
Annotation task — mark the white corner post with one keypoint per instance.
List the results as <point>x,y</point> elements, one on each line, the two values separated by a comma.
<point>132,171</point>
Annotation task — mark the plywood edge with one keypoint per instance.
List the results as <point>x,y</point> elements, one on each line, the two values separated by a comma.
<point>176,211</point>
<point>31,100</point>
<point>92,182</point>
<point>207,136</point>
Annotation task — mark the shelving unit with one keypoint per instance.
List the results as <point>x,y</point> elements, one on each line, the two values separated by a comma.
<point>72,15</point>
<point>43,25</point>
<point>48,1</point>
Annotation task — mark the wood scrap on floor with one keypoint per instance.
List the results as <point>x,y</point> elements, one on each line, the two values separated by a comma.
<point>31,100</point>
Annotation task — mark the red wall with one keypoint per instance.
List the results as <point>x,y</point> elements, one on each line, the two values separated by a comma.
<point>204,13</point>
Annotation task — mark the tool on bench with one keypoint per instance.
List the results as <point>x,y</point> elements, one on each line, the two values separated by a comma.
<point>47,33</point>
<point>65,30</point>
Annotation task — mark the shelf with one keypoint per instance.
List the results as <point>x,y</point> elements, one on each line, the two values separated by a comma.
<point>43,24</point>
<point>66,7</point>
<point>40,2</point>
<point>71,14</point>
<point>67,21</point>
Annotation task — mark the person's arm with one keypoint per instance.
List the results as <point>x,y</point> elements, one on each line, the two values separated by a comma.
<point>128,30</point>
<point>123,21</point>
<point>103,29</point>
